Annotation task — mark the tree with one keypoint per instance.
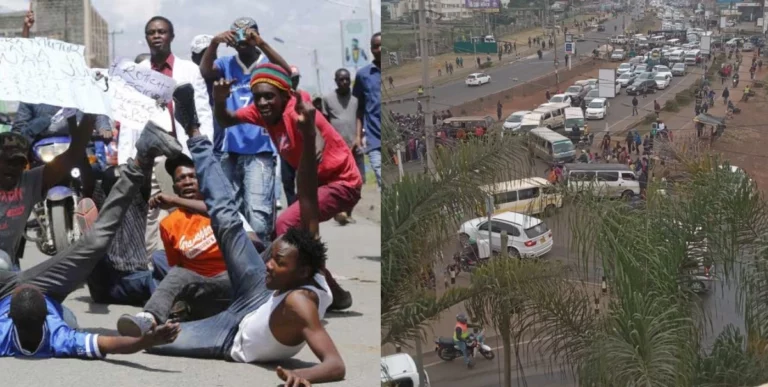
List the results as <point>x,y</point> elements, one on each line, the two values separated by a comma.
<point>385,14</point>
<point>421,213</point>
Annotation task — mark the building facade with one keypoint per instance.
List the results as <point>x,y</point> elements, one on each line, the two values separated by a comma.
<point>444,9</point>
<point>72,21</point>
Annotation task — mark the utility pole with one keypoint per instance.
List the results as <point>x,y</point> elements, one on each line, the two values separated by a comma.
<point>428,129</point>
<point>550,21</point>
<point>113,33</point>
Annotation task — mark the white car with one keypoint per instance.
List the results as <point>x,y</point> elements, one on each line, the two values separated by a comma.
<point>597,109</point>
<point>662,70</point>
<point>561,98</point>
<point>529,237</point>
<point>662,81</point>
<point>477,79</point>
<point>514,120</point>
<point>626,79</point>
<point>625,68</point>
<point>618,55</point>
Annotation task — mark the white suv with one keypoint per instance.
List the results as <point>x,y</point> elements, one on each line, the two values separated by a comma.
<point>529,237</point>
<point>477,79</point>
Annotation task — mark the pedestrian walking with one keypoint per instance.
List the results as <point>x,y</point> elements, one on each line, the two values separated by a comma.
<point>548,95</point>
<point>726,94</point>
<point>634,105</point>
<point>391,82</point>
<point>498,110</point>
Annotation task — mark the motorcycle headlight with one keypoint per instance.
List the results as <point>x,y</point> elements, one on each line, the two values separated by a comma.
<point>49,152</point>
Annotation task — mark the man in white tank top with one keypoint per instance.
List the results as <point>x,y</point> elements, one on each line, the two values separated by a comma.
<point>277,306</point>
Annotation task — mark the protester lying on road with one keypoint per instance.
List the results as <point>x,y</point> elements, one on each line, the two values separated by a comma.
<point>340,182</point>
<point>190,246</point>
<point>277,306</point>
<point>32,322</point>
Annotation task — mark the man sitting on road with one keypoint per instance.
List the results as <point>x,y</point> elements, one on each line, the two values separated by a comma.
<point>339,178</point>
<point>190,246</point>
<point>32,322</point>
<point>277,306</point>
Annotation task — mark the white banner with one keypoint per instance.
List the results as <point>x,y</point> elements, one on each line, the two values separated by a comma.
<point>49,71</point>
<point>147,81</point>
<point>133,110</point>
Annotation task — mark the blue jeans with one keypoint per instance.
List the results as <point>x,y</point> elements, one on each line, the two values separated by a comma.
<point>360,162</point>
<point>374,156</point>
<point>464,350</point>
<point>288,178</point>
<point>212,337</point>
<point>253,182</point>
<point>108,286</point>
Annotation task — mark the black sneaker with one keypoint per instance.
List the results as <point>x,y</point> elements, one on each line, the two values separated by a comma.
<point>184,109</point>
<point>342,299</point>
<point>155,142</point>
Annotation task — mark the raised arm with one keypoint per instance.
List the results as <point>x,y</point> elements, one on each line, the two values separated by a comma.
<point>253,38</point>
<point>307,171</point>
<point>29,21</point>
<point>208,63</point>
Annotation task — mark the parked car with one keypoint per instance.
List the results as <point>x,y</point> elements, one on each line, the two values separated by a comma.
<point>626,79</point>
<point>561,98</point>
<point>618,55</point>
<point>597,109</point>
<point>600,28</point>
<point>662,70</point>
<point>477,79</point>
<point>679,69</point>
<point>576,92</point>
<point>529,237</point>
<point>625,68</point>
<point>514,120</point>
<point>646,85</point>
<point>591,95</point>
<point>662,81</point>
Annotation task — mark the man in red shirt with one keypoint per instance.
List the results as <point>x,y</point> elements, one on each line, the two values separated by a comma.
<point>274,108</point>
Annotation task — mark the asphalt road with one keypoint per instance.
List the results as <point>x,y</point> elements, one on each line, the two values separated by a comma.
<point>502,78</point>
<point>354,253</point>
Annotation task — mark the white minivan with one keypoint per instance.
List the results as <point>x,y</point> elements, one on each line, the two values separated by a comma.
<point>602,180</point>
<point>573,116</point>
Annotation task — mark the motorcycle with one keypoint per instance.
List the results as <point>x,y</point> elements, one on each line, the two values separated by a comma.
<point>54,227</point>
<point>468,258</point>
<point>447,350</point>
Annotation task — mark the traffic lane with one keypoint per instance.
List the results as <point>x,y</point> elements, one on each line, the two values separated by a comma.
<point>537,369</point>
<point>456,93</point>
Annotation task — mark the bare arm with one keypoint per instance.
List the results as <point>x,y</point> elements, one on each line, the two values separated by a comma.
<point>29,21</point>
<point>193,205</point>
<point>331,367</point>
<point>63,164</point>
<point>306,179</point>
<point>221,91</point>
<point>207,67</point>
<point>255,39</point>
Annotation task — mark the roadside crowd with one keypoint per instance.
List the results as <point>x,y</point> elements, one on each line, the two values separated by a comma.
<point>189,227</point>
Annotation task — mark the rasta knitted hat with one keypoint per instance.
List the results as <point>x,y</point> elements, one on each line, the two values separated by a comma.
<point>273,75</point>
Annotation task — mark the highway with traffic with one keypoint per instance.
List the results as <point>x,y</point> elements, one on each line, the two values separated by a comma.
<point>510,73</point>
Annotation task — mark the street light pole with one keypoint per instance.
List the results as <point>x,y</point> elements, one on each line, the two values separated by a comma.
<point>113,33</point>
<point>428,129</point>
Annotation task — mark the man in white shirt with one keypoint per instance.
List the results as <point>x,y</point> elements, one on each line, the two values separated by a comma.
<point>159,35</point>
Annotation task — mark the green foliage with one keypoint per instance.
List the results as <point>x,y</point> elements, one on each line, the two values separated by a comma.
<point>671,106</point>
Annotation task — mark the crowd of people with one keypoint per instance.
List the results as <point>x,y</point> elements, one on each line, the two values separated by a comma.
<point>189,228</point>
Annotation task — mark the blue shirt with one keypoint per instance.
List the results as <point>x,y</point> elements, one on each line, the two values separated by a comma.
<point>367,90</point>
<point>245,139</point>
<point>59,340</point>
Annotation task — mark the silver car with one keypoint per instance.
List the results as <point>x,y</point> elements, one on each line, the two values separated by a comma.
<point>679,69</point>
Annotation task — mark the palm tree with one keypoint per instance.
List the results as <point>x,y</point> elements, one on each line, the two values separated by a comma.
<point>652,332</point>
<point>420,214</point>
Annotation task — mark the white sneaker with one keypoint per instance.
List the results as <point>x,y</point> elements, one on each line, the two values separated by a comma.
<point>135,326</point>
